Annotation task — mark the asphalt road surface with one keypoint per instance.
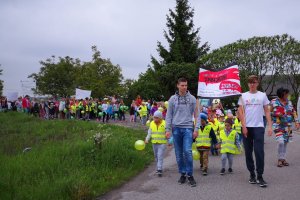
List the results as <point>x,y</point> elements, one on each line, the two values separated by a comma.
<point>283,183</point>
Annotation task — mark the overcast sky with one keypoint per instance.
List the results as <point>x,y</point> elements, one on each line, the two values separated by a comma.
<point>126,31</point>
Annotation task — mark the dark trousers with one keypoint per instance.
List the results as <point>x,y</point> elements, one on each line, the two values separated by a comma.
<point>105,115</point>
<point>255,141</point>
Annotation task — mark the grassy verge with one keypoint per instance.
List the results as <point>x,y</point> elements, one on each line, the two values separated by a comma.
<point>64,162</point>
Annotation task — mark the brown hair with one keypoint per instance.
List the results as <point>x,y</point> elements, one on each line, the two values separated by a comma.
<point>181,80</point>
<point>252,79</point>
<point>229,121</point>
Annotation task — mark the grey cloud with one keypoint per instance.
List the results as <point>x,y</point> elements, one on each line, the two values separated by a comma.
<point>124,31</point>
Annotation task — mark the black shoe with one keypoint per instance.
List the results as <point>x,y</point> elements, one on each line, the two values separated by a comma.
<point>204,172</point>
<point>159,173</point>
<point>230,170</point>
<point>222,172</point>
<point>182,179</point>
<point>252,180</point>
<point>192,181</point>
<point>260,181</point>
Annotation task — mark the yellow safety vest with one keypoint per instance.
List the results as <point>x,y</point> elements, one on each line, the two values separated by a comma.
<point>203,139</point>
<point>87,108</point>
<point>158,135</point>
<point>228,142</point>
<point>214,126</point>
<point>73,108</point>
<point>237,126</point>
<point>143,111</point>
<point>221,126</point>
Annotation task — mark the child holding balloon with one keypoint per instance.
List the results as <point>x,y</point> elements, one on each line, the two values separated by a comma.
<point>157,132</point>
<point>205,137</point>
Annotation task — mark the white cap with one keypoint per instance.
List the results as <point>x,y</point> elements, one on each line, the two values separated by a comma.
<point>158,114</point>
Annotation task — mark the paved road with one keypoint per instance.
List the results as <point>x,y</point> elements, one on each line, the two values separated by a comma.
<point>284,183</point>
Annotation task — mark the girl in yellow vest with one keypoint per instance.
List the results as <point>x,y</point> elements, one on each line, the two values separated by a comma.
<point>206,137</point>
<point>230,145</point>
<point>157,133</point>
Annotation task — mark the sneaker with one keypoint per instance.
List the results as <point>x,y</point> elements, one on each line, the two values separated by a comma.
<point>192,181</point>
<point>260,181</point>
<point>159,173</point>
<point>230,170</point>
<point>204,172</point>
<point>222,172</point>
<point>252,180</point>
<point>182,179</point>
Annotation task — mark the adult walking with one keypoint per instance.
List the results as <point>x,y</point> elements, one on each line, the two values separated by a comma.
<point>179,119</point>
<point>283,114</point>
<point>252,106</point>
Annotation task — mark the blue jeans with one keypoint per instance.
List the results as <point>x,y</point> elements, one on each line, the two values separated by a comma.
<point>183,139</point>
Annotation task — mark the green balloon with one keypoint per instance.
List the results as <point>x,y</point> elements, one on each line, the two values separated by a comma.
<point>196,155</point>
<point>116,114</point>
<point>139,145</point>
<point>194,147</point>
<point>65,110</point>
<point>100,114</point>
<point>99,107</point>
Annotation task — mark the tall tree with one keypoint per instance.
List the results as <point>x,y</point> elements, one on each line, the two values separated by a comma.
<point>179,58</point>
<point>56,78</point>
<point>100,76</point>
<point>182,39</point>
<point>1,83</point>
<point>60,78</point>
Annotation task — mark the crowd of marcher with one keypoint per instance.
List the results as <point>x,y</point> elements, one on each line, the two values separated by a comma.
<point>192,128</point>
<point>108,108</point>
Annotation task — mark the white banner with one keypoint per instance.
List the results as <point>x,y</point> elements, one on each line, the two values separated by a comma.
<point>82,94</point>
<point>220,82</point>
<point>12,96</point>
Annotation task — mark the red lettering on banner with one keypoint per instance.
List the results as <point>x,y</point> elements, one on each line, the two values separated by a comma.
<point>229,85</point>
<point>209,77</point>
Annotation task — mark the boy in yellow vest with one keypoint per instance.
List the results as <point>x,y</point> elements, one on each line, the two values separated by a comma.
<point>157,133</point>
<point>206,137</point>
<point>230,145</point>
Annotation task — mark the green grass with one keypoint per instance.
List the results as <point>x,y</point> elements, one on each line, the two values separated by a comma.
<point>64,162</point>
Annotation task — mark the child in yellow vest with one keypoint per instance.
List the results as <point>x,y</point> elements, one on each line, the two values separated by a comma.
<point>157,134</point>
<point>229,145</point>
<point>206,137</point>
<point>215,126</point>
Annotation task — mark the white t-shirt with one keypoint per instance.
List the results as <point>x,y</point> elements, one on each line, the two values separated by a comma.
<point>254,108</point>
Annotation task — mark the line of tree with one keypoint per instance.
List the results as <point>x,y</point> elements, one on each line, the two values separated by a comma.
<point>273,59</point>
<point>61,77</point>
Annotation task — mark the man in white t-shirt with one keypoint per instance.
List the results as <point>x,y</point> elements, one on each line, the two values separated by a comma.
<point>252,107</point>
